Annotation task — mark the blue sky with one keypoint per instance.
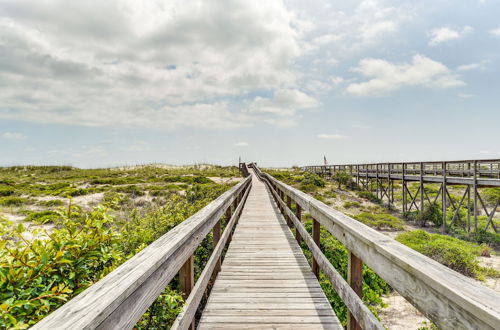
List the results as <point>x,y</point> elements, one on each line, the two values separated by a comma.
<point>104,83</point>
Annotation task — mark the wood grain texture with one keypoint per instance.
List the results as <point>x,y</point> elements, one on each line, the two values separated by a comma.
<point>118,300</point>
<point>265,281</point>
<point>446,297</point>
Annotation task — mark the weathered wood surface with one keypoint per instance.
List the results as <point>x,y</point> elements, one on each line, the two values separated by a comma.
<point>118,300</point>
<point>186,316</point>
<point>265,281</point>
<point>448,298</point>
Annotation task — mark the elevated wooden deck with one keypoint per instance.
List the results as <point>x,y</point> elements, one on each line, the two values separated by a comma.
<point>265,281</point>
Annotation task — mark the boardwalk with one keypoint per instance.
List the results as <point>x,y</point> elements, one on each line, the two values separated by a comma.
<point>265,281</point>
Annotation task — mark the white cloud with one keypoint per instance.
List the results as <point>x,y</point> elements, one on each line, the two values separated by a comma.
<point>331,136</point>
<point>466,96</point>
<point>13,136</point>
<point>445,34</point>
<point>128,59</point>
<point>496,32</point>
<point>284,103</point>
<point>387,76</point>
<point>472,66</point>
<point>241,144</point>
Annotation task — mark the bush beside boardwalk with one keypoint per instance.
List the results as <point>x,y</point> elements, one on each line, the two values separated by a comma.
<point>62,247</point>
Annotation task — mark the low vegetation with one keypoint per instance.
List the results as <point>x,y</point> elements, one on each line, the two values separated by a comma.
<point>458,255</point>
<point>42,267</point>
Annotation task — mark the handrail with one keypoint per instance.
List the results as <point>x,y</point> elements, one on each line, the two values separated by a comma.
<point>119,299</point>
<point>447,298</point>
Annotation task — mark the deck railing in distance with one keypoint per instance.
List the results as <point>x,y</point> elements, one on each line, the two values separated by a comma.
<point>447,298</point>
<point>244,169</point>
<point>118,300</point>
<point>473,174</point>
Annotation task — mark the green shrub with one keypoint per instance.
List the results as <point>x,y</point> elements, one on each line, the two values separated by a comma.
<point>13,201</point>
<point>52,202</point>
<point>313,179</point>
<point>369,196</point>
<point>433,214</point>
<point>491,195</point>
<point>380,221</point>
<point>348,205</point>
<point>456,254</point>
<point>42,217</point>
<point>342,178</point>
<point>6,191</point>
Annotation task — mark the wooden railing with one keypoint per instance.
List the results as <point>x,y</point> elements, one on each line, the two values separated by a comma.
<point>447,298</point>
<point>118,300</point>
<point>474,174</point>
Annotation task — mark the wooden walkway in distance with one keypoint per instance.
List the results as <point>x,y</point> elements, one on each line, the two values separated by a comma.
<point>265,281</point>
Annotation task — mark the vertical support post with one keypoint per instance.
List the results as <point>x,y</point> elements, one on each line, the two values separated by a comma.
<point>186,281</point>
<point>422,220</point>
<point>403,184</point>
<point>377,185</point>
<point>475,195</point>
<point>215,240</point>
<point>468,209</point>
<point>316,237</point>
<point>443,199</point>
<point>298,213</point>
<point>389,189</point>
<point>289,205</point>
<point>355,280</point>
<point>357,176</point>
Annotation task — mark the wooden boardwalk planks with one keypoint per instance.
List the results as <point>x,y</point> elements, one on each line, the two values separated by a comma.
<point>265,281</point>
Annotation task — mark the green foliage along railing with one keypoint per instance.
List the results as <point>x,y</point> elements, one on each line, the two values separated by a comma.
<point>119,299</point>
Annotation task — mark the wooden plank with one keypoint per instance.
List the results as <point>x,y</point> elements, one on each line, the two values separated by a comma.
<point>185,319</point>
<point>265,279</point>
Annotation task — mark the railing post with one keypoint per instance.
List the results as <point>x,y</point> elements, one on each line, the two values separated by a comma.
<point>443,200</point>
<point>215,240</point>
<point>186,281</point>
<point>475,196</point>
<point>289,205</point>
<point>316,238</point>
<point>298,213</point>
<point>355,280</point>
<point>422,220</point>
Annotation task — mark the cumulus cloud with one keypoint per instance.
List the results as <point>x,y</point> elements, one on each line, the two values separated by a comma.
<point>124,60</point>
<point>284,103</point>
<point>386,76</point>
<point>332,136</point>
<point>444,34</point>
<point>13,136</point>
<point>496,32</point>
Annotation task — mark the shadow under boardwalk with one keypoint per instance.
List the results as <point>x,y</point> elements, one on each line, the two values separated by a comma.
<point>265,281</point>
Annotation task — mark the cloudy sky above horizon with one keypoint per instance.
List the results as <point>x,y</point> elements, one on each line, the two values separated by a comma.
<point>103,83</point>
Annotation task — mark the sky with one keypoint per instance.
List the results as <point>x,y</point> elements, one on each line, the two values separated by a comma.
<point>282,83</point>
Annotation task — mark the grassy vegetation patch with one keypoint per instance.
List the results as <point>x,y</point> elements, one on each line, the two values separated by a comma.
<point>351,204</point>
<point>369,196</point>
<point>381,221</point>
<point>13,201</point>
<point>452,252</point>
<point>42,216</point>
